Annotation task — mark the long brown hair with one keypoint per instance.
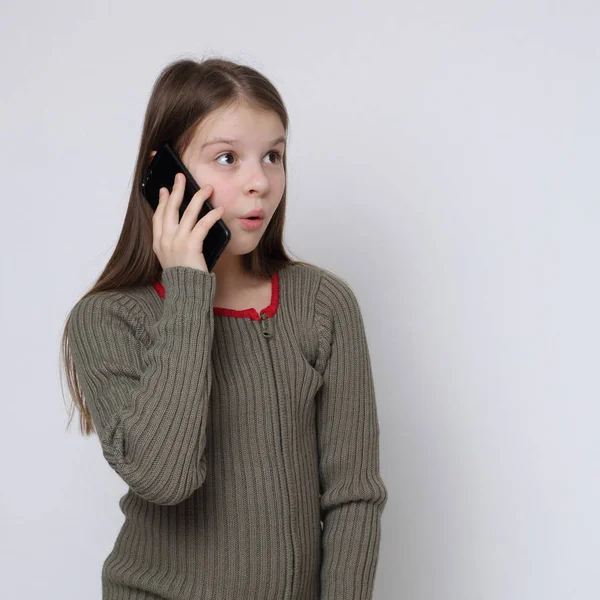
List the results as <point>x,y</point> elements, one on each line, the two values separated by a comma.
<point>183,95</point>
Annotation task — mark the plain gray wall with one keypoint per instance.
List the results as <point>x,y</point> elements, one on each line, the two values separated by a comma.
<point>451,150</point>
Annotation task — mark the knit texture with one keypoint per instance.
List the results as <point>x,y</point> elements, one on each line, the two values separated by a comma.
<point>250,443</point>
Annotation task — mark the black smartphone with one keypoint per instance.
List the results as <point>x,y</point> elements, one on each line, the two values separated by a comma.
<point>160,173</point>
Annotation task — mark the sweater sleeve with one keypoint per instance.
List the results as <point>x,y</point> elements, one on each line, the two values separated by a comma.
<point>149,401</point>
<point>353,494</point>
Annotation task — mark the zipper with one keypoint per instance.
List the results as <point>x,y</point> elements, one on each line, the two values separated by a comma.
<point>268,333</point>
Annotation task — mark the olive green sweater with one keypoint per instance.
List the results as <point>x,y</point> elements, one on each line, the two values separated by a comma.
<point>250,443</point>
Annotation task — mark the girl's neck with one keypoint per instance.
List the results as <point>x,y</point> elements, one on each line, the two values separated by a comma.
<point>231,276</point>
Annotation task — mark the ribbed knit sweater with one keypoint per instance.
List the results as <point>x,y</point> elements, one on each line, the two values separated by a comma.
<point>249,441</point>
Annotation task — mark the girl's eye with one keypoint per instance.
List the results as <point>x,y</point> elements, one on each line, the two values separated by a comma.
<point>277,154</point>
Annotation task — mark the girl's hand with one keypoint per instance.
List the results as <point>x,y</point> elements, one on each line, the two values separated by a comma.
<point>180,243</point>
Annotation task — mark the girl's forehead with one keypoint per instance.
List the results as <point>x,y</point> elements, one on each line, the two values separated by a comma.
<point>239,130</point>
<point>232,121</point>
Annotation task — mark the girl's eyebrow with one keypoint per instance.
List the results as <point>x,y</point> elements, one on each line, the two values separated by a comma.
<point>235,142</point>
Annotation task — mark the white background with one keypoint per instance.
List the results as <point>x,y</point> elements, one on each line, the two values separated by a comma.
<point>444,160</point>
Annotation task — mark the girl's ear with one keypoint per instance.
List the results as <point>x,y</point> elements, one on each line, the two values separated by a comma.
<point>152,154</point>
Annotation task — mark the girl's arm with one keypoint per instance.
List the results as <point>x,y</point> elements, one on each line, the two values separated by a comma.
<point>149,405</point>
<point>353,494</point>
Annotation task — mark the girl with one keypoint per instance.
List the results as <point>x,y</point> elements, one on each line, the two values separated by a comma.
<point>238,405</point>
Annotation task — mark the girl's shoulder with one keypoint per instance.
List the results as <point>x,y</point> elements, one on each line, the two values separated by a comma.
<point>331,292</point>
<point>301,270</point>
<point>128,307</point>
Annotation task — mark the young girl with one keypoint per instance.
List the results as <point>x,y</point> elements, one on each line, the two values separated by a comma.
<point>238,405</point>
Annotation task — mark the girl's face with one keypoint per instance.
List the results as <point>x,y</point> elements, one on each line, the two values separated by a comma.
<point>246,172</point>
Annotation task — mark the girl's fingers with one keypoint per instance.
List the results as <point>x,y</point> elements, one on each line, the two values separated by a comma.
<point>171,216</point>
<point>166,225</point>
<point>203,226</point>
<point>192,211</point>
<point>157,217</point>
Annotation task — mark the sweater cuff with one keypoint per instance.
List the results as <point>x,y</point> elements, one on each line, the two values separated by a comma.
<point>190,284</point>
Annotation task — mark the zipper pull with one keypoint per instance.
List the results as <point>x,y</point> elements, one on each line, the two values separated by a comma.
<point>263,321</point>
